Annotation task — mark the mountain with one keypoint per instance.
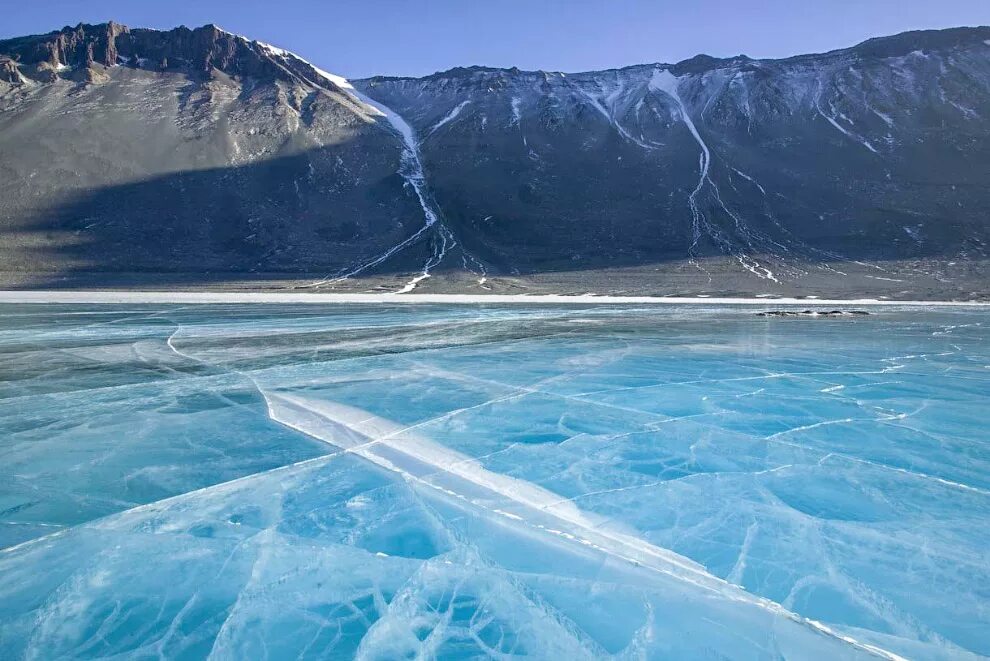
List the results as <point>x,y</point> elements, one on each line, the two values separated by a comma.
<point>201,158</point>
<point>189,151</point>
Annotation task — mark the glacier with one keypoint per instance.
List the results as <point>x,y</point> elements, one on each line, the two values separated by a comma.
<point>381,481</point>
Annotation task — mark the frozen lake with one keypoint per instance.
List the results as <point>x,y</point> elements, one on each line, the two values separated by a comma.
<point>386,481</point>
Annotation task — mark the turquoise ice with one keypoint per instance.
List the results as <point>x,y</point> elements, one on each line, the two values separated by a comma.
<point>461,481</point>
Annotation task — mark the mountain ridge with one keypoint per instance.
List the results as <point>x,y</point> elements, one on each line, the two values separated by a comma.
<point>892,45</point>
<point>528,175</point>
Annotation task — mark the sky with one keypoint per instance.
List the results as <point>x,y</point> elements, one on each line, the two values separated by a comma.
<point>358,38</point>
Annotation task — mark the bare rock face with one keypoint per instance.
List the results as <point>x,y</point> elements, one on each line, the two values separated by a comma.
<point>9,72</point>
<point>74,46</point>
<point>192,51</point>
<point>92,74</point>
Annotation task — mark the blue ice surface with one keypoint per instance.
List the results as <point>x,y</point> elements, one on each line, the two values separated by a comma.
<point>480,481</point>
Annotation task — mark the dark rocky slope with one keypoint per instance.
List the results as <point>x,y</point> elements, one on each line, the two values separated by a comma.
<point>188,151</point>
<point>861,171</point>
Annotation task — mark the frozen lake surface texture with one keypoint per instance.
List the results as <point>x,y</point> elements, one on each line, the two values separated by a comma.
<point>384,482</point>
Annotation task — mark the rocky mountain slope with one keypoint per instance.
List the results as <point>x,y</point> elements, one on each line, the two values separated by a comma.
<point>198,156</point>
<point>189,151</point>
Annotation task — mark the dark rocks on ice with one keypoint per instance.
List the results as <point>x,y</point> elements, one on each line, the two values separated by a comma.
<point>811,313</point>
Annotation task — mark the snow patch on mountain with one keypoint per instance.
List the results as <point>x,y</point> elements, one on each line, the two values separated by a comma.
<point>666,82</point>
<point>449,117</point>
<point>516,112</point>
<point>832,120</point>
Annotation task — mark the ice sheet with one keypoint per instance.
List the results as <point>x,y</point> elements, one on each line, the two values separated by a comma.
<point>718,483</point>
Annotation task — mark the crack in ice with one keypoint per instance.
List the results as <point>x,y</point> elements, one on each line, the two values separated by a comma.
<point>422,461</point>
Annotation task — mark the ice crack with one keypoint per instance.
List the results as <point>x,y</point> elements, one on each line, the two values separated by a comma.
<point>423,462</point>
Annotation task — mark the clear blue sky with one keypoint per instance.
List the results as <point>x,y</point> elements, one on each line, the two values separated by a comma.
<point>359,38</point>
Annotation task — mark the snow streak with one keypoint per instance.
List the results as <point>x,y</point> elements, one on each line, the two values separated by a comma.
<point>609,113</point>
<point>410,168</point>
<point>412,171</point>
<point>666,82</point>
<point>831,120</point>
<point>448,117</point>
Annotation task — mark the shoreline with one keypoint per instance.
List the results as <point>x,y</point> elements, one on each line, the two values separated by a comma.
<point>187,298</point>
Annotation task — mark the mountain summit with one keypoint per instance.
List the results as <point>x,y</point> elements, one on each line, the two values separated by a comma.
<point>134,156</point>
